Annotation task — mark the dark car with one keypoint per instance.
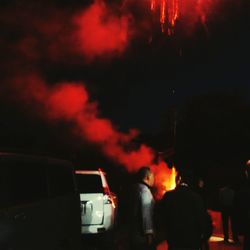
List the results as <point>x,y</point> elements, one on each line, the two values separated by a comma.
<point>39,205</point>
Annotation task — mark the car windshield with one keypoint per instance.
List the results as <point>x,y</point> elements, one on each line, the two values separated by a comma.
<point>89,183</point>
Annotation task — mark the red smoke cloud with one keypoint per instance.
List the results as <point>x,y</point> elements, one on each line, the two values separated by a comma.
<point>69,101</point>
<point>66,101</point>
<point>47,32</point>
<point>101,32</point>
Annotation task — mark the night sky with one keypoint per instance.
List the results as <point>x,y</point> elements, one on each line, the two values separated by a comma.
<point>134,79</point>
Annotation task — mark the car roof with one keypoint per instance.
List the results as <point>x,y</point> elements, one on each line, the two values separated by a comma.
<point>98,172</point>
<point>9,156</point>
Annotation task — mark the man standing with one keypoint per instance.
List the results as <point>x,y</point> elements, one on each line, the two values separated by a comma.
<point>226,198</point>
<point>242,208</point>
<point>183,215</point>
<point>142,211</point>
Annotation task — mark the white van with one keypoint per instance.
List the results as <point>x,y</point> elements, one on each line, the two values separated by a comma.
<point>39,205</point>
<point>98,204</point>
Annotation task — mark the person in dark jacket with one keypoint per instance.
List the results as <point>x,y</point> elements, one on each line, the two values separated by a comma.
<point>183,215</point>
<point>200,189</point>
<point>242,208</point>
<point>226,198</point>
<point>142,229</point>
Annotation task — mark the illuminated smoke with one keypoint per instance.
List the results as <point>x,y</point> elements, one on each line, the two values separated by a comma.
<point>69,102</point>
<point>100,31</point>
<point>61,35</point>
<point>189,11</point>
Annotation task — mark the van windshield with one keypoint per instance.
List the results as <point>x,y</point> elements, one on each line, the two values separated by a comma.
<point>89,183</point>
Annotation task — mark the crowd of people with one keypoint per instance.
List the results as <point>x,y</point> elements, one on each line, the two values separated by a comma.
<point>181,217</point>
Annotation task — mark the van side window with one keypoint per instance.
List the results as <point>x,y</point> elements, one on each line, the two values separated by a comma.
<point>61,180</point>
<point>23,182</point>
<point>89,183</point>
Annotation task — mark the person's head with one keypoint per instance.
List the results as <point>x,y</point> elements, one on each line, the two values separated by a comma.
<point>146,175</point>
<point>186,176</point>
<point>200,183</point>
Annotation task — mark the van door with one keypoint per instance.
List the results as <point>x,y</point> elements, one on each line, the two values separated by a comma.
<point>91,196</point>
<point>65,204</point>
<point>24,185</point>
<point>39,206</point>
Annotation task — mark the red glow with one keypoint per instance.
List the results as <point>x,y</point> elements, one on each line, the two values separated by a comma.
<point>97,130</point>
<point>164,178</point>
<point>133,160</point>
<point>191,11</point>
<point>67,100</point>
<point>217,223</point>
<point>163,13</point>
<point>162,246</point>
<point>153,4</point>
<point>100,31</point>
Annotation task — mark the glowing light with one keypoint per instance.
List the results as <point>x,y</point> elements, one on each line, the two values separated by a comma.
<point>171,10</point>
<point>153,4</point>
<point>163,14</point>
<point>170,183</point>
<point>164,179</point>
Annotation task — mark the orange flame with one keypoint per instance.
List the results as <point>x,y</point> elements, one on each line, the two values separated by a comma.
<point>173,11</point>
<point>169,12</point>
<point>163,13</point>
<point>164,178</point>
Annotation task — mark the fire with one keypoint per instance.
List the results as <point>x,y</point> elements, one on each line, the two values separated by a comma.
<point>169,12</point>
<point>164,178</point>
<point>170,183</point>
<point>172,10</point>
<point>153,4</point>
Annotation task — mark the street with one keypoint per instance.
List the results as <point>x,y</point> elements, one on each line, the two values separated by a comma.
<point>119,240</point>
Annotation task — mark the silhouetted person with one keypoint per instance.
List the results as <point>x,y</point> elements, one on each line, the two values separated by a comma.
<point>142,231</point>
<point>200,189</point>
<point>242,208</point>
<point>183,215</point>
<point>226,198</point>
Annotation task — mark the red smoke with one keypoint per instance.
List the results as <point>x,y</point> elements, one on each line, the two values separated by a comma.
<point>46,32</point>
<point>100,31</point>
<point>69,101</point>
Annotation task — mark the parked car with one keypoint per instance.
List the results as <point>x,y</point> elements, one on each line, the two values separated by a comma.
<point>39,205</point>
<point>98,204</point>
